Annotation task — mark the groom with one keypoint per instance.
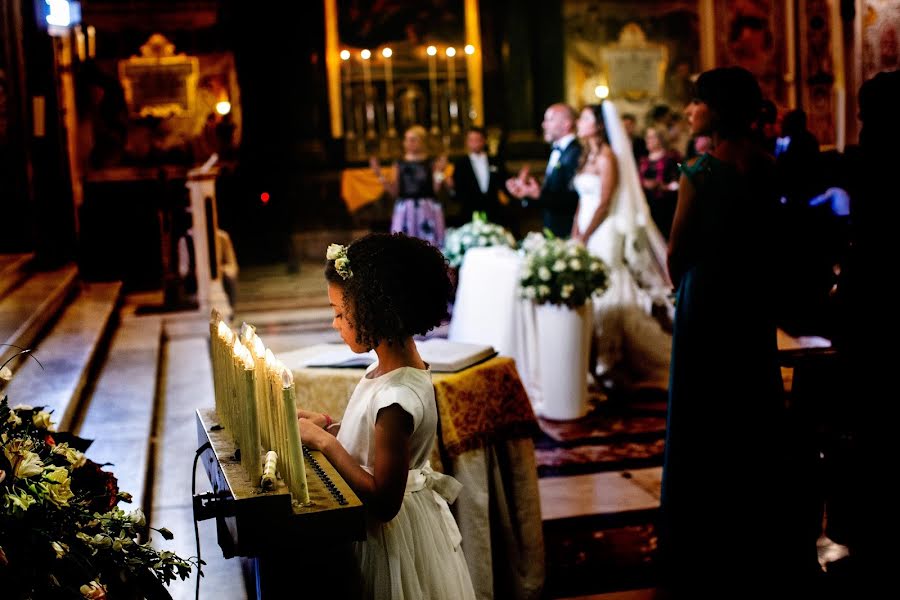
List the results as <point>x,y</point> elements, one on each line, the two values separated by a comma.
<point>557,196</point>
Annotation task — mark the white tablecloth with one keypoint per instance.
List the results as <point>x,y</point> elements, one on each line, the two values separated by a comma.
<point>489,310</point>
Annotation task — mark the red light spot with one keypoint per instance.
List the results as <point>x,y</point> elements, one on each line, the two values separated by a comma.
<point>264,197</point>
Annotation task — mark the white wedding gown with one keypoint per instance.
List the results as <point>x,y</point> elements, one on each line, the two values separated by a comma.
<point>633,349</point>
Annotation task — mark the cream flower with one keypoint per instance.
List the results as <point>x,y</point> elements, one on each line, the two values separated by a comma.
<point>59,490</point>
<point>335,251</point>
<point>42,420</point>
<point>544,274</point>
<point>19,499</point>
<point>24,462</point>
<point>5,374</point>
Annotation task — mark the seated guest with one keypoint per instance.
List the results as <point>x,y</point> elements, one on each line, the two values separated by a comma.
<point>659,178</point>
<point>478,179</point>
<point>417,177</point>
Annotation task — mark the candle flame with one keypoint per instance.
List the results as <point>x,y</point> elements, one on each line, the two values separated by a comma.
<point>431,50</point>
<point>287,378</point>
<point>223,330</point>
<point>259,349</point>
<point>365,54</point>
<point>451,51</point>
<point>345,55</point>
<point>387,53</point>
<point>470,49</point>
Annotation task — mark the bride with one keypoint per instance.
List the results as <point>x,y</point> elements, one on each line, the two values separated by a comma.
<point>613,221</point>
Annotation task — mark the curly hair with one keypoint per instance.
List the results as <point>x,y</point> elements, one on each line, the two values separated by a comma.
<point>400,287</point>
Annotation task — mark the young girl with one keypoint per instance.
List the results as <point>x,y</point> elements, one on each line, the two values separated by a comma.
<point>385,288</point>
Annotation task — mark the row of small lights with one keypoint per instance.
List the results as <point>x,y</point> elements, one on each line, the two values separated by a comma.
<point>387,52</point>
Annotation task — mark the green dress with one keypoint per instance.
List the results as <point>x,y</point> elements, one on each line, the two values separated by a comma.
<point>724,478</point>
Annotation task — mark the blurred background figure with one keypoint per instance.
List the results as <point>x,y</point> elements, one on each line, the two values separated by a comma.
<point>478,180</point>
<point>659,178</point>
<point>415,184</point>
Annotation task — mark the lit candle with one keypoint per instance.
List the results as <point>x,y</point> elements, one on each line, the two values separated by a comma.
<point>389,91</point>
<point>347,84</point>
<point>91,41</point>
<point>365,55</point>
<point>451,84</point>
<point>431,51</point>
<point>262,389</point>
<point>297,483</point>
<point>80,47</point>
<point>251,457</point>
<point>470,51</point>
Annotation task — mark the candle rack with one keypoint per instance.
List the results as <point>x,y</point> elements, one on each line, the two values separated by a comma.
<point>385,91</point>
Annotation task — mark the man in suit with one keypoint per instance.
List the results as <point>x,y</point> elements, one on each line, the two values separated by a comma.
<point>557,196</point>
<point>477,180</point>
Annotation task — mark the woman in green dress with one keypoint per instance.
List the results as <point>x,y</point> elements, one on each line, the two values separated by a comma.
<point>728,513</point>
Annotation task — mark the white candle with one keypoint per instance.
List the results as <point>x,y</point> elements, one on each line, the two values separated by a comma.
<point>365,55</point>
<point>347,85</point>
<point>262,392</point>
<point>432,87</point>
<point>389,91</point>
<point>251,457</point>
<point>298,477</point>
<point>451,84</point>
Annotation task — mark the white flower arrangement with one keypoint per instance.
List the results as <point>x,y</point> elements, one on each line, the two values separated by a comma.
<point>478,233</point>
<point>560,271</point>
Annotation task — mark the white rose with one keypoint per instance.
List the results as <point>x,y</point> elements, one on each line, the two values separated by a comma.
<point>482,241</point>
<point>543,291</point>
<point>529,292</point>
<point>575,264</point>
<point>567,290</point>
<point>333,251</point>
<point>559,266</point>
<point>544,274</point>
<point>42,420</point>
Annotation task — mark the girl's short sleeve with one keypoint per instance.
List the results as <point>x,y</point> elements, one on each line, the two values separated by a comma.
<point>405,397</point>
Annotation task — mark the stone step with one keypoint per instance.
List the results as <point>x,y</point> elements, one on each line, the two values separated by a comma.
<point>13,269</point>
<point>68,354</point>
<point>30,308</point>
<point>119,414</point>
<point>188,386</point>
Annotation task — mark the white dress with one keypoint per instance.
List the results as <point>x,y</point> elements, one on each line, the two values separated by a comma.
<point>417,554</point>
<point>632,347</point>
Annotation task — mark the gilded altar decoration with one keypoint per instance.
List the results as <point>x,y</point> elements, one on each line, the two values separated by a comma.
<point>159,83</point>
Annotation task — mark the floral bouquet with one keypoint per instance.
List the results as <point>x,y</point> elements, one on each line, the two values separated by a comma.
<point>560,271</point>
<point>477,233</point>
<point>62,534</point>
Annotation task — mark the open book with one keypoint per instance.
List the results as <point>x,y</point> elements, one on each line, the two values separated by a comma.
<point>442,355</point>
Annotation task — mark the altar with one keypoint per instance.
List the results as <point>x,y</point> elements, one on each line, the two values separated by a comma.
<point>485,441</point>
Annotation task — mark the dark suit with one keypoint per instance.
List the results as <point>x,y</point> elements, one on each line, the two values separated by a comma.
<point>558,198</point>
<point>469,194</point>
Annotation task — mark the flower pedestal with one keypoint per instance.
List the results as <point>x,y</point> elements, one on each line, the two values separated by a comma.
<point>564,339</point>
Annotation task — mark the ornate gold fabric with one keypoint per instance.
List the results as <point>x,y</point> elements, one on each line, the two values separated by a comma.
<point>482,405</point>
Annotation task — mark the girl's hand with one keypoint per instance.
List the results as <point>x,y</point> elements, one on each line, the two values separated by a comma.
<point>313,436</point>
<point>320,419</point>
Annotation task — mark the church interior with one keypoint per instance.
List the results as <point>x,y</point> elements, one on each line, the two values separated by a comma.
<point>173,173</point>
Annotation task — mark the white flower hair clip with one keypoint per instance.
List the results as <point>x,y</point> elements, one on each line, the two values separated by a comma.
<point>338,254</point>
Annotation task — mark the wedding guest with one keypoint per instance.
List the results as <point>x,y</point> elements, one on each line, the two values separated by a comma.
<point>556,196</point>
<point>478,179</point>
<point>729,509</point>
<point>384,289</point>
<point>868,519</point>
<point>415,185</point>
<point>659,178</point>
<point>638,146</point>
